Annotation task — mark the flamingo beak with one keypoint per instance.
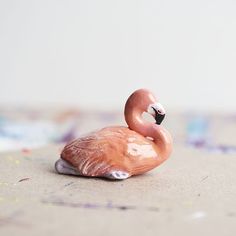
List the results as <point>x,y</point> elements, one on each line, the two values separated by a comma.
<point>159,113</point>
<point>159,118</point>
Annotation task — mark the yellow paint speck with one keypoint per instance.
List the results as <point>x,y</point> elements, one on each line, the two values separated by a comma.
<point>17,162</point>
<point>16,200</point>
<point>1,199</point>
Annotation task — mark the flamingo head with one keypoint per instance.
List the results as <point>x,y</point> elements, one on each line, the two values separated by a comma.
<point>143,100</point>
<point>157,111</point>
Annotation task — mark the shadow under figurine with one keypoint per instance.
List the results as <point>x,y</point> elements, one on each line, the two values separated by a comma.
<point>118,152</point>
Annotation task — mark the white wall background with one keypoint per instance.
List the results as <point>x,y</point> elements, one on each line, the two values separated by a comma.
<point>94,53</point>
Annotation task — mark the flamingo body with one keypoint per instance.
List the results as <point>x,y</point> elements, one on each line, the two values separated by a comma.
<point>112,150</point>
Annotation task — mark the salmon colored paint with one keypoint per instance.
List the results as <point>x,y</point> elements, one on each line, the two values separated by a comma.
<point>118,152</point>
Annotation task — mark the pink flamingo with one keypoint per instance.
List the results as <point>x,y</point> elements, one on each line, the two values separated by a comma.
<point>119,152</point>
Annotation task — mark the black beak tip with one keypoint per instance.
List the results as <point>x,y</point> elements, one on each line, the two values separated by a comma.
<point>159,118</point>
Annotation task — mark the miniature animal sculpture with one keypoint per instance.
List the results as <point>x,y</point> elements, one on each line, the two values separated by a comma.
<point>118,152</point>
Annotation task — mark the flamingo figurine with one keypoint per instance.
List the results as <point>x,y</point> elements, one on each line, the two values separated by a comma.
<point>118,152</point>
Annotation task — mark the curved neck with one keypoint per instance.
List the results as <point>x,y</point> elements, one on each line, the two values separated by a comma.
<point>161,136</point>
<point>162,139</point>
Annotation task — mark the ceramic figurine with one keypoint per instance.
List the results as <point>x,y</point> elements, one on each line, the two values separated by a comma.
<point>118,152</point>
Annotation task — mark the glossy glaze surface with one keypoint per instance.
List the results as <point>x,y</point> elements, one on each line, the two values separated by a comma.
<point>119,152</point>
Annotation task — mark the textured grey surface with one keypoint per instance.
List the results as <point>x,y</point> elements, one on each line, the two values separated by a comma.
<point>193,193</point>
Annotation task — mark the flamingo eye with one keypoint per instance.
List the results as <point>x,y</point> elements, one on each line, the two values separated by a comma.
<point>157,110</point>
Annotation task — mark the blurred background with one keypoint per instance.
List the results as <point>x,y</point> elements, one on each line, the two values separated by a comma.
<point>61,58</point>
<point>67,68</point>
<point>93,54</point>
